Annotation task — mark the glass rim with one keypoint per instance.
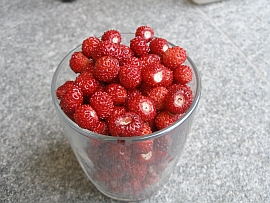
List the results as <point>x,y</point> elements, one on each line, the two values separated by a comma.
<point>107,138</point>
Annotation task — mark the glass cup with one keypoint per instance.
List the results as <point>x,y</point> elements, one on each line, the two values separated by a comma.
<point>113,164</point>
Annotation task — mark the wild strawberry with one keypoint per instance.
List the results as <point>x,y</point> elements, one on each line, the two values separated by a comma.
<point>165,119</point>
<point>157,75</point>
<point>86,117</point>
<point>102,103</point>
<point>143,106</point>
<point>117,92</point>
<point>139,46</point>
<point>106,68</point>
<point>178,99</point>
<point>78,61</point>
<point>174,57</point>
<point>101,128</point>
<point>131,94</point>
<point>145,32</point>
<point>144,146</point>
<point>89,45</point>
<point>62,89</point>
<point>87,83</point>
<point>125,125</point>
<point>113,36</point>
<point>182,74</point>
<point>158,46</point>
<point>117,153</point>
<point>89,67</point>
<point>150,59</point>
<point>147,158</point>
<point>158,95</point>
<point>106,48</point>
<point>126,53</point>
<point>131,61</point>
<point>72,99</point>
<point>130,76</point>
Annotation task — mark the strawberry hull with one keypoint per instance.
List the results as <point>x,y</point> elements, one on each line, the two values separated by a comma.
<point>126,167</point>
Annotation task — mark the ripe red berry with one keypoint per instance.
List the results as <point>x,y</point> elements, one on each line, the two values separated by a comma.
<point>87,83</point>
<point>132,61</point>
<point>145,146</point>
<point>86,117</point>
<point>62,89</point>
<point>150,59</point>
<point>158,95</point>
<point>102,103</point>
<point>174,57</point>
<point>125,125</point>
<point>106,68</point>
<point>78,61</point>
<point>113,36</point>
<point>158,46</point>
<point>143,106</point>
<point>165,119</point>
<point>117,92</point>
<point>145,32</point>
<point>178,99</point>
<point>182,74</point>
<point>157,75</point>
<point>72,99</point>
<point>126,53</point>
<point>130,76</point>
<point>106,48</point>
<point>89,45</point>
<point>139,46</point>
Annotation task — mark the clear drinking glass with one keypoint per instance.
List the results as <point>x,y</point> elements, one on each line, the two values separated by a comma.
<point>109,162</point>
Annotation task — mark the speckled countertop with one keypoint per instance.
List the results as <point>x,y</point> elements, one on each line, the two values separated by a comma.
<point>227,155</point>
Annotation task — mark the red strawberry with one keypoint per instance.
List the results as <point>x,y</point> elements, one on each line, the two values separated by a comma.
<point>113,36</point>
<point>62,89</point>
<point>158,95</point>
<point>72,99</point>
<point>117,92</point>
<point>145,146</point>
<point>150,59</point>
<point>182,74</point>
<point>86,117</point>
<point>178,99</point>
<point>174,57</point>
<point>145,32</point>
<point>106,48</point>
<point>78,61</point>
<point>106,68</point>
<point>125,125</point>
<point>126,53</point>
<point>157,75</point>
<point>89,67</point>
<point>139,46</point>
<point>87,83</point>
<point>143,106</point>
<point>165,119</point>
<point>101,128</point>
<point>102,103</point>
<point>130,76</point>
<point>89,45</point>
<point>158,46</point>
<point>131,61</point>
<point>147,158</point>
<point>116,153</point>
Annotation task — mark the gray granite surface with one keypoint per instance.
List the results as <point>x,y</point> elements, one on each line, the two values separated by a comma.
<point>227,155</point>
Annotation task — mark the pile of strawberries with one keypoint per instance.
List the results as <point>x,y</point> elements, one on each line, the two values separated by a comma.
<point>127,91</point>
